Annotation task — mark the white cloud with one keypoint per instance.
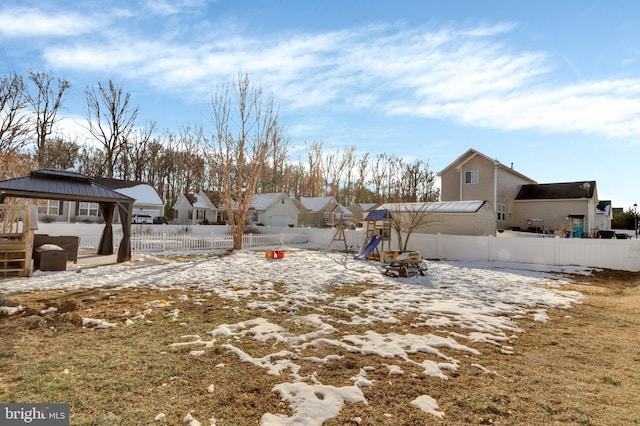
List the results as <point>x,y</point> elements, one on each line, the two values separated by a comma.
<point>21,22</point>
<point>467,75</point>
<point>171,7</point>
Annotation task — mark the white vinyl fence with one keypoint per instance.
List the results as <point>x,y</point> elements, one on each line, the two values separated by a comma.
<point>598,253</point>
<point>621,254</point>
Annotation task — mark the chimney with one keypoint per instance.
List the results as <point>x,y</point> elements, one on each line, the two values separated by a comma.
<point>512,165</point>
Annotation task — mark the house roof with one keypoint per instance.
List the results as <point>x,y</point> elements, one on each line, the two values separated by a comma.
<point>472,153</point>
<point>214,197</point>
<point>315,204</point>
<point>142,192</point>
<point>604,207</point>
<point>60,185</point>
<point>557,191</point>
<point>262,202</point>
<point>435,207</point>
<point>202,201</point>
<point>191,198</point>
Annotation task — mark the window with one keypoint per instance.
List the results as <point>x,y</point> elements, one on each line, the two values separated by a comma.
<point>201,214</point>
<point>88,209</point>
<point>501,211</point>
<point>471,177</point>
<point>49,207</point>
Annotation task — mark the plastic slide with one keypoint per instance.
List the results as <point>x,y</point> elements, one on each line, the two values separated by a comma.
<point>375,240</point>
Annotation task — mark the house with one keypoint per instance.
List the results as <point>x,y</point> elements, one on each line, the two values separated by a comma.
<point>323,211</point>
<point>204,207</point>
<point>604,215</point>
<point>474,176</point>
<point>558,207</point>
<point>273,209</point>
<point>147,201</point>
<point>474,217</point>
<point>360,210</point>
<point>520,202</point>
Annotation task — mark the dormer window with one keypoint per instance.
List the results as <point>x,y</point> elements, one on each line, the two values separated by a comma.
<point>471,176</point>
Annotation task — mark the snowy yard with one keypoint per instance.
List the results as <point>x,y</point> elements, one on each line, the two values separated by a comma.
<point>311,308</point>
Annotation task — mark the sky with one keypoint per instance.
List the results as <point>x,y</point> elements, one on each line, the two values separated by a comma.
<point>464,305</point>
<point>549,86</point>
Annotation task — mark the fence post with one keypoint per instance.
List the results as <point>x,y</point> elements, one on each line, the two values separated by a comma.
<point>439,246</point>
<point>164,240</point>
<point>491,249</point>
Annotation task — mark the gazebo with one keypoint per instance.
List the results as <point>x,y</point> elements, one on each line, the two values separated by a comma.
<point>54,184</point>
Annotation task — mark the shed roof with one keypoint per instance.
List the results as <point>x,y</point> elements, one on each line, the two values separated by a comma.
<point>470,206</point>
<point>557,191</point>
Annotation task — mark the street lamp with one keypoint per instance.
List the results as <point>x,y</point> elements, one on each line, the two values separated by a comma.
<point>635,219</point>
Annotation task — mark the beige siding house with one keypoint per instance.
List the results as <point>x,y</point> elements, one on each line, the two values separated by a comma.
<point>474,176</point>
<point>323,212</point>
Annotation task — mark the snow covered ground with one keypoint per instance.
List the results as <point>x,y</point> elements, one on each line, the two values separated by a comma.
<point>466,301</point>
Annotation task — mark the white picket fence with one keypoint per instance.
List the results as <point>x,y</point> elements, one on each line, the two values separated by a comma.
<point>165,241</point>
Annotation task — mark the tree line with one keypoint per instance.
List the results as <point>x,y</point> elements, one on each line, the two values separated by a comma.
<point>247,151</point>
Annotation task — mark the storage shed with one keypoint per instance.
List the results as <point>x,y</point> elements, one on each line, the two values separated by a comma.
<point>447,217</point>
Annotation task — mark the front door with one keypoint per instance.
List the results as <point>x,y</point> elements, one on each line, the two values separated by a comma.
<point>577,225</point>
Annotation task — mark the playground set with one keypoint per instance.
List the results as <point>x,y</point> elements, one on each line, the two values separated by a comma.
<point>378,235</point>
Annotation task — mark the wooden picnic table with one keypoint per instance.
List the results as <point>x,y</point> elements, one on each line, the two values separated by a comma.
<point>404,268</point>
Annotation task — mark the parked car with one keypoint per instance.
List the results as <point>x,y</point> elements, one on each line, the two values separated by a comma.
<point>160,220</point>
<point>141,218</point>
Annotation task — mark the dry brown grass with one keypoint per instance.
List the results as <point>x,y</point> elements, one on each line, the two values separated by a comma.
<point>580,368</point>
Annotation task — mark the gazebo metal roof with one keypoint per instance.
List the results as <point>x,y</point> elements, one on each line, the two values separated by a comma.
<point>60,185</point>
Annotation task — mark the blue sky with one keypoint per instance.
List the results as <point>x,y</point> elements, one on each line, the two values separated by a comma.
<point>550,86</point>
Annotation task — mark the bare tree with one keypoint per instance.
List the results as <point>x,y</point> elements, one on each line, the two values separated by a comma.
<point>91,161</point>
<point>418,182</point>
<point>45,104</point>
<point>14,122</point>
<point>137,150</point>
<point>274,179</point>
<point>111,119</point>
<point>59,153</point>
<point>315,169</point>
<point>245,122</point>
<point>409,217</point>
<point>361,191</point>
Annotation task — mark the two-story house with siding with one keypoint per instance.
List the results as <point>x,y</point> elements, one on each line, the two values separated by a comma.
<point>474,176</point>
<point>520,202</point>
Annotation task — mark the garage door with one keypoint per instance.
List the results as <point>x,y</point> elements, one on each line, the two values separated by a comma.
<point>282,221</point>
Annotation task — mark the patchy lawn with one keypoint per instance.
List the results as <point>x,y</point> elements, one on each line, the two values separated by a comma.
<point>129,356</point>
